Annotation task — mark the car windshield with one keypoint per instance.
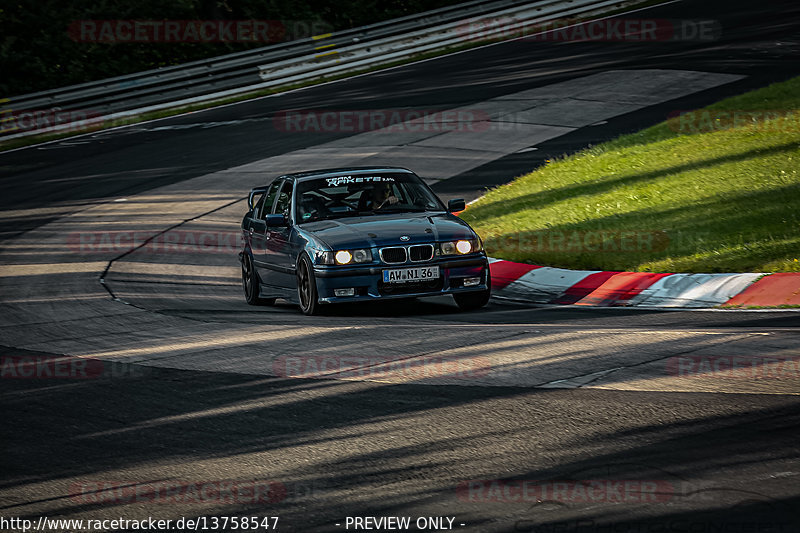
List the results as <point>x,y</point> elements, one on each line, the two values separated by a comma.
<point>363,195</point>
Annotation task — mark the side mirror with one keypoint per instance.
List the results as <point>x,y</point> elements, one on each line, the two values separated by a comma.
<point>456,205</point>
<point>275,221</point>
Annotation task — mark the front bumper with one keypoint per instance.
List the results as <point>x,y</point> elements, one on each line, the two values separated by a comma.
<point>367,280</point>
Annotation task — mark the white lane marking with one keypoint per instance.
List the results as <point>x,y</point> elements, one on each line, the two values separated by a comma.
<point>577,381</point>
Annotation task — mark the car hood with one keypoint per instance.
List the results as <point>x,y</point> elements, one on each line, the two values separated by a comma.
<point>387,230</point>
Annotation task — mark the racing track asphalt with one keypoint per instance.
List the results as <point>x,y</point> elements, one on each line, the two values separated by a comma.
<point>400,447</point>
<point>758,40</point>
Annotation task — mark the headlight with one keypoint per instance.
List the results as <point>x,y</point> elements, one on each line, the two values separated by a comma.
<point>460,247</point>
<point>464,247</point>
<point>362,256</point>
<point>344,257</point>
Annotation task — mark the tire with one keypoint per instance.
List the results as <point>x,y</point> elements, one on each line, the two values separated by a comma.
<point>251,283</point>
<point>469,301</point>
<point>307,287</point>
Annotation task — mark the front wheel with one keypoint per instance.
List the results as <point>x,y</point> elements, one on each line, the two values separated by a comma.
<point>307,287</point>
<point>469,301</point>
<point>252,284</point>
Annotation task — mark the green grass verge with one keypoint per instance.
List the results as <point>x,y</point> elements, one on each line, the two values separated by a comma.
<point>711,198</point>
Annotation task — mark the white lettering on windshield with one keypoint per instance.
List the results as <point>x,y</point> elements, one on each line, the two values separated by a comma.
<point>335,182</point>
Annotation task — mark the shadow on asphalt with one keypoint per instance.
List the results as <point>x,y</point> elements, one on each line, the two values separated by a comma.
<point>357,449</point>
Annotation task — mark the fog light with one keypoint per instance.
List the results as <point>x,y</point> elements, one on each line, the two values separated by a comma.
<point>345,292</point>
<point>471,282</point>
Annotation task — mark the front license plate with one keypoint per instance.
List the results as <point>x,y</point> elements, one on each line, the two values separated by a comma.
<point>405,275</point>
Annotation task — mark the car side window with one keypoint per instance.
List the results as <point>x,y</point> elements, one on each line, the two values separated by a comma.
<point>284,200</point>
<point>266,206</point>
<point>258,203</point>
